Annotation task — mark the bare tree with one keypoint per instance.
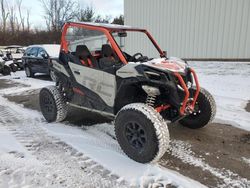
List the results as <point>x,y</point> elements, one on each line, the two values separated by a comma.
<point>28,19</point>
<point>4,14</point>
<point>57,12</point>
<point>21,17</point>
<point>12,19</point>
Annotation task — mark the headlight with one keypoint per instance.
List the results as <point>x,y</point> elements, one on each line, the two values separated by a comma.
<point>152,75</point>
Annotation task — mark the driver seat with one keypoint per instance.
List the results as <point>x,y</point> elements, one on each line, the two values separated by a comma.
<point>85,57</point>
<point>108,58</point>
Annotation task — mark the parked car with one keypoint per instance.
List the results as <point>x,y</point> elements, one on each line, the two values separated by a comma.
<point>36,59</point>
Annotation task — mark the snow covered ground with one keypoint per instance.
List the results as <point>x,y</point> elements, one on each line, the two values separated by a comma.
<point>96,147</point>
<point>229,82</point>
<point>87,141</point>
<point>104,151</point>
<point>20,77</point>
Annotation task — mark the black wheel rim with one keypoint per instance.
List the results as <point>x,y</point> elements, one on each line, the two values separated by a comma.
<point>136,135</point>
<point>197,110</point>
<point>48,105</point>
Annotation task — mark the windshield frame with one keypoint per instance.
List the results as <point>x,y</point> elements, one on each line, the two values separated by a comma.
<point>150,37</point>
<point>108,32</point>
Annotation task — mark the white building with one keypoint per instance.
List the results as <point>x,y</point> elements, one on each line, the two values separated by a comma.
<point>194,29</point>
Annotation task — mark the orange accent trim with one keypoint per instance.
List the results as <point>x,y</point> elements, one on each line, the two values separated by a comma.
<point>197,87</point>
<point>168,65</point>
<point>83,62</point>
<point>76,90</point>
<point>155,43</point>
<point>64,43</point>
<point>162,108</point>
<point>90,63</point>
<point>183,85</point>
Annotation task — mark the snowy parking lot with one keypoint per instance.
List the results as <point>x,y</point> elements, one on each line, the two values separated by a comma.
<point>83,151</point>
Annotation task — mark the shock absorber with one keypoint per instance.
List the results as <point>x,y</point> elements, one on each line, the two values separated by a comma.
<point>152,93</point>
<point>150,101</point>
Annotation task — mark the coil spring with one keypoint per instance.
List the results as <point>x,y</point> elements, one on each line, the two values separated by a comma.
<point>150,101</point>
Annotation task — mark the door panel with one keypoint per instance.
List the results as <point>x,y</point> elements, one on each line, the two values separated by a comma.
<point>41,62</point>
<point>32,59</point>
<point>102,83</point>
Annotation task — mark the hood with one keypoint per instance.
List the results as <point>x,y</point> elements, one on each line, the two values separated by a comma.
<point>171,64</point>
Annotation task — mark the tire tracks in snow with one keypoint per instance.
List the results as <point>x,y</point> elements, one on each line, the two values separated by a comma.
<point>32,135</point>
<point>63,164</point>
<point>182,150</point>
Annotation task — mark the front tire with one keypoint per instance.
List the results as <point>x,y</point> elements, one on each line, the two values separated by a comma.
<point>52,105</point>
<point>204,113</point>
<point>141,132</point>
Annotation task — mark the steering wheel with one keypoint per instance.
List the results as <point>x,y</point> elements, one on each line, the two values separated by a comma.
<point>135,58</point>
<point>141,58</point>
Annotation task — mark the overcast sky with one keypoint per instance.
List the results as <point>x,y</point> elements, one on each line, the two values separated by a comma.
<point>102,7</point>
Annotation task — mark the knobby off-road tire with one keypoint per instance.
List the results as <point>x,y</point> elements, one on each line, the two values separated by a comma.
<point>205,111</point>
<point>52,104</point>
<point>141,132</point>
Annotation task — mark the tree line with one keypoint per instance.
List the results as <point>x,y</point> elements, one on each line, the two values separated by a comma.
<point>15,25</point>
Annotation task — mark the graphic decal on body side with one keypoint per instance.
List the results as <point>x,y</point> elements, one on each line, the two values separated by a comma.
<point>171,64</point>
<point>59,67</point>
<point>102,83</point>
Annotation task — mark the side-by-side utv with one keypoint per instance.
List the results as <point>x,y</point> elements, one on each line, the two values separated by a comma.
<point>103,69</point>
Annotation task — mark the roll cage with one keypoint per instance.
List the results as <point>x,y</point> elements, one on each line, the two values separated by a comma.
<point>107,29</point>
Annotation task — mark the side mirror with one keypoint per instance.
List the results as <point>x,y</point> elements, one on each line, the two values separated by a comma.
<point>122,34</point>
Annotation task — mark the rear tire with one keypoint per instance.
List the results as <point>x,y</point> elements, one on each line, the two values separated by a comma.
<point>141,132</point>
<point>204,113</point>
<point>28,72</point>
<point>52,104</point>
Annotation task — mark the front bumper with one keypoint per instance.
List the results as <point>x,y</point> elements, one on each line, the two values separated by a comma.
<point>188,104</point>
